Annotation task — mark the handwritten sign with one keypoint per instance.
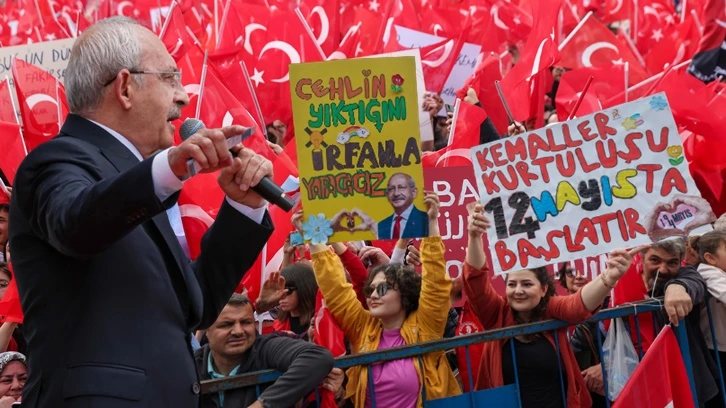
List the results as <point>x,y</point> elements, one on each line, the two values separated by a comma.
<point>424,120</point>
<point>456,188</point>
<point>466,63</point>
<point>52,56</point>
<point>360,164</point>
<point>613,179</point>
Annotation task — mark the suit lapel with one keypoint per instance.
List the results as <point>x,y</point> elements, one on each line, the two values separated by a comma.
<point>122,159</point>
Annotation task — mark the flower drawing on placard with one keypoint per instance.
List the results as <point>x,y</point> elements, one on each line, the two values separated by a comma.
<point>629,124</point>
<point>658,103</point>
<point>675,153</point>
<point>396,82</point>
<point>317,229</point>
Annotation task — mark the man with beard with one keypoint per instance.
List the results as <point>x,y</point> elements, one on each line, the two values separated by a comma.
<point>683,290</point>
<point>407,221</point>
<point>235,348</point>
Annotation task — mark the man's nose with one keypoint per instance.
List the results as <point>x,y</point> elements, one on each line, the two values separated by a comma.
<point>180,96</point>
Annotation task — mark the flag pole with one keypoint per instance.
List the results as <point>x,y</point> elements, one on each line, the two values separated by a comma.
<point>655,85</point>
<point>261,118</point>
<point>626,71</point>
<point>504,102</point>
<point>310,32</point>
<point>17,116</point>
<point>201,85</point>
<point>634,27</point>
<point>698,22</point>
<point>167,22</point>
<point>575,30</point>
<point>225,14</point>
<point>633,48</point>
<point>454,118</point>
<point>582,97</point>
<point>684,7</point>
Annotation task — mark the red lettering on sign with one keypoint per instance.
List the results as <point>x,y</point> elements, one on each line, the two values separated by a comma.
<point>673,179</point>
<point>649,170</point>
<point>601,122</point>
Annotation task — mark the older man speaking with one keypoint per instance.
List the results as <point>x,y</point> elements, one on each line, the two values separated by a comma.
<point>109,297</point>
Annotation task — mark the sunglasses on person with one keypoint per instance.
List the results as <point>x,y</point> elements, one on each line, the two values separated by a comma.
<point>290,288</point>
<point>381,289</point>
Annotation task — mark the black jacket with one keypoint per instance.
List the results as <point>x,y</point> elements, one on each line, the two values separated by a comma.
<point>304,365</point>
<point>109,297</point>
<point>704,368</point>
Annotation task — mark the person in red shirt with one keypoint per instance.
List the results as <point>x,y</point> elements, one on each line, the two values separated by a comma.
<point>530,297</point>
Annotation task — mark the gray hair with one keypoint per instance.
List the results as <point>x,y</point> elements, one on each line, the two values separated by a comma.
<point>674,246</point>
<point>97,56</point>
<point>411,181</point>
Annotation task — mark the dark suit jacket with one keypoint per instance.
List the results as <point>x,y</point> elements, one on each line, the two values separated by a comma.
<point>109,298</point>
<point>417,226</point>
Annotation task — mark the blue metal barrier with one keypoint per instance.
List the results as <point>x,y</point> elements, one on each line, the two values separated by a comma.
<point>506,396</point>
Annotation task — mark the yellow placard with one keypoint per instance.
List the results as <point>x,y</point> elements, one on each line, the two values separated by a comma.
<point>358,147</point>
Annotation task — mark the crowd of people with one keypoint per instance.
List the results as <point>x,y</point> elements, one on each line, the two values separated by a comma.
<point>380,296</point>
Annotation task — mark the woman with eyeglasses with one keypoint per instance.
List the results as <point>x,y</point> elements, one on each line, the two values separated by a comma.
<point>530,297</point>
<point>403,308</point>
<point>297,304</point>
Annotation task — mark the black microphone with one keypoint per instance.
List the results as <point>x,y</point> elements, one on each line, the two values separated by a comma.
<point>266,188</point>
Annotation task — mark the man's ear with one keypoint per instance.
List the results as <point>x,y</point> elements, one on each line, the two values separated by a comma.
<point>125,88</point>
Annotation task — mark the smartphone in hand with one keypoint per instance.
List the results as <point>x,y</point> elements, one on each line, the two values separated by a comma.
<point>296,239</point>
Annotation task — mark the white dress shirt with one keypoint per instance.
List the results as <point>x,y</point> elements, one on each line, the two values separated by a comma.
<point>404,220</point>
<point>167,183</point>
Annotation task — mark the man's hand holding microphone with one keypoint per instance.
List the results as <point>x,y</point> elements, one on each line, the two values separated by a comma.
<point>245,176</point>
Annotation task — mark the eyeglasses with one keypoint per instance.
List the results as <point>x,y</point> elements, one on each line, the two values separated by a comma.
<point>171,77</point>
<point>381,289</point>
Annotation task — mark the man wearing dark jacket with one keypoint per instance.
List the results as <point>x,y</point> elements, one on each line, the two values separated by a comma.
<point>683,290</point>
<point>235,348</point>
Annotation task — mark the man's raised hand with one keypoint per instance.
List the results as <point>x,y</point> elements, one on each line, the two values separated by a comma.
<point>208,147</point>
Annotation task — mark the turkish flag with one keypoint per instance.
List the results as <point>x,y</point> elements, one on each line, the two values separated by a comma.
<point>656,18</point>
<point>40,105</point>
<point>709,62</point>
<point>10,308</point>
<point>660,380</point>
<point>323,18</point>
<point>468,324</point>
<point>289,43</point>
<point>245,28</point>
<point>507,24</point>
<point>608,81</point>
<point>617,10</point>
<point>631,288</point>
<point>349,45</point>
<point>12,150</point>
<point>466,135</point>
<point>228,66</point>
<point>593,44</point>
<point>540,52</point>
<point>482,81</point>
<point>678,45</point>
<point>7,111</point>
<point>175,34</point>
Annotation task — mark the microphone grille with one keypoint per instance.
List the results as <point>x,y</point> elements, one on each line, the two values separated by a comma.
<point>189,127</point>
